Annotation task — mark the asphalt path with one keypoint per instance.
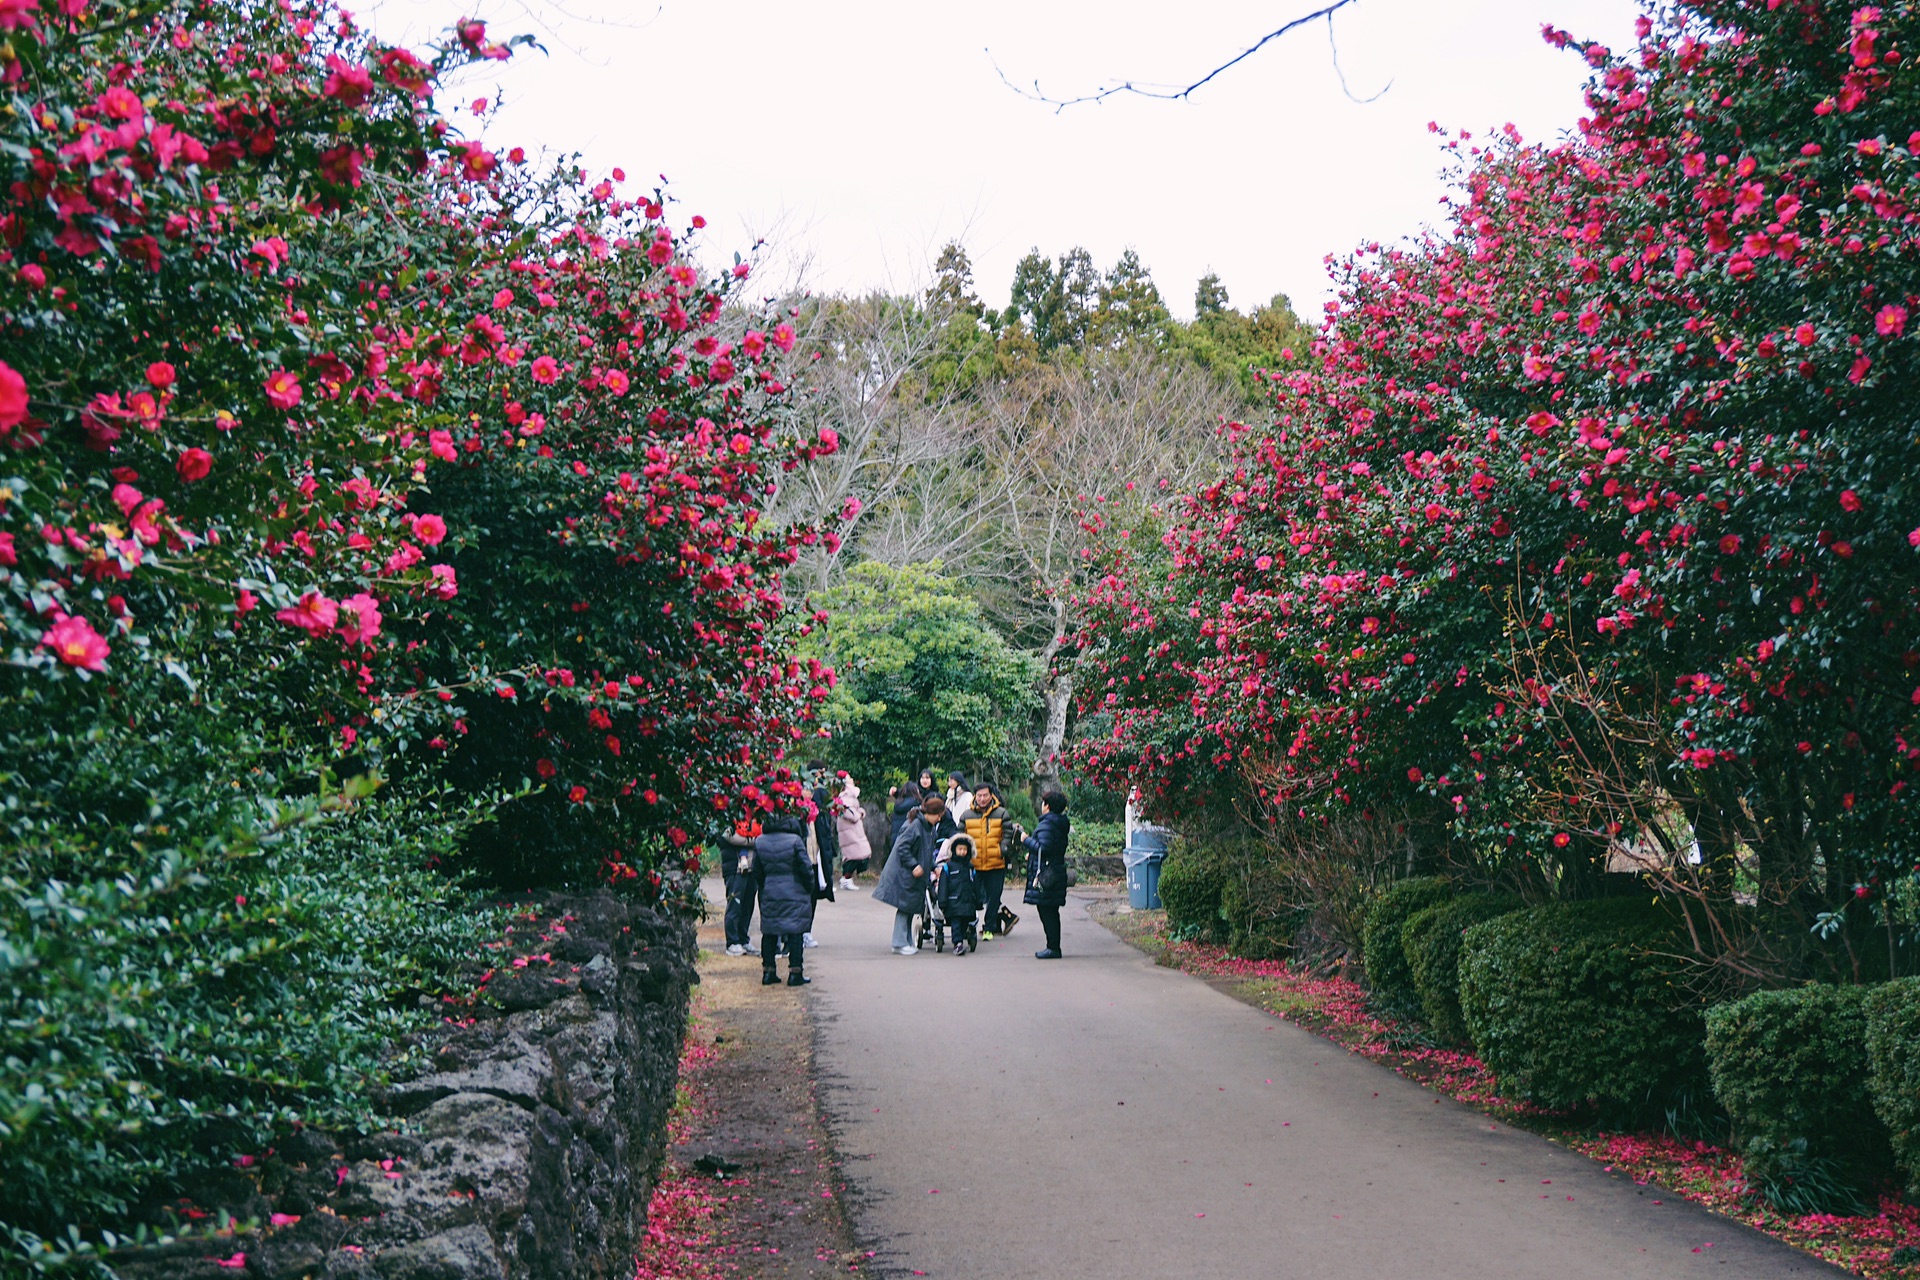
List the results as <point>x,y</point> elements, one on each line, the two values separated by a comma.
<point>1003,1118</point>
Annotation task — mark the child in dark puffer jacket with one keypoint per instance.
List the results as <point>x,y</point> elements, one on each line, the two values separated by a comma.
<point>958,894</point>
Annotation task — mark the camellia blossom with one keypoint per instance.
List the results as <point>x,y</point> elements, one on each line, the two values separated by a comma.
<point>75,643</point>
<point>283,389</point>
<point>194,464</point>
<point>430,529</point>
<point>13,396</point>
<point>359,619</point>
<point>545,370</point>
<point>444,585</point>
<point>1890,321</point>
<point>315,614</point>
<point>160,375</point>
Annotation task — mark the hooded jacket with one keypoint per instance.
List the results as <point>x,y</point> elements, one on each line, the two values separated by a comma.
<point>917,846</point>
<point>958,895</point>
<point>850,824</point>
<point>785,876</point>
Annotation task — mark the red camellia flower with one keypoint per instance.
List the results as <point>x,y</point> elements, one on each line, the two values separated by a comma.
<point>1849,500</point>
<point>194,464</point>
<point>160,375</point>
<point>1890,321</point>
<point>315,614</point>
<point>578,795</point>
<point>359,619</point>
<point>545,767</point>
<point>347,83</point>
<point>7,557</point>
<point>13,396</point>
<point>74,641</point>
<point>283,390</point>
<point>1730,544</point>
<point>545,370</point>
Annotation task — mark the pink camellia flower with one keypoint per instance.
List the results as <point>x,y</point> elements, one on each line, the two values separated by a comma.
<point>348,83</point>
<point>283,390</point>
<point>1849,500</point>
<point>160,375</point>
<point>13,391</point>
<point>33,276</point>
<point>194,464</point>
<point>75,642</point>
<point>8,558</point>
<point>754,344</point>
<point>1913,539</point>
<point>445,585</point>
<point>15,14</point>
<point>741,444</point>
<point>315,614</point>
<point>851,508</point>
<point>783,336</point>
<point>1890,321</point>
<point>545,370</point>
<point>1804,335</point>
<point>616,382</point>
<point>430,529</point>
<point>441,445</point>
<point>359,619</point>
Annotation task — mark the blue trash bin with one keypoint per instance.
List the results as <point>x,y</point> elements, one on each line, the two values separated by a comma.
<point>1143,857</point>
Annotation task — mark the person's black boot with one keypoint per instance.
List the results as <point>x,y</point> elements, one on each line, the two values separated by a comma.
<point>795,978</point>
<point>1048,954</point>
<point>768,978</point>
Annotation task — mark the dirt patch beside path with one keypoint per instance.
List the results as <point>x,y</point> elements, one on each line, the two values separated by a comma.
<point>754,1127</point>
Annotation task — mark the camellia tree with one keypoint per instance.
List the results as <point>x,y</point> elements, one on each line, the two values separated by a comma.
<point>1588,527</point>
<point>368,499</point>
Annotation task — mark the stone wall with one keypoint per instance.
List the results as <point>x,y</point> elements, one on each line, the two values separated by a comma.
<point>530,1145</point>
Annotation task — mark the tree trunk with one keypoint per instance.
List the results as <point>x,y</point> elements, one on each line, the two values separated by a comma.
<point>1056,692</point>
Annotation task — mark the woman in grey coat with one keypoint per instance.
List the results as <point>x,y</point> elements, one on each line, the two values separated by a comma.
<point>903,885</point>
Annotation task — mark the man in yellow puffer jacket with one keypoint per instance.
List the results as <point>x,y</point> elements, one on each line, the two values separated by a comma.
<point>993,834</point>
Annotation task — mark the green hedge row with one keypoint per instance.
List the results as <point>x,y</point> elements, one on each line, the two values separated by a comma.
<point>1389,975</point>
<point>1433,942</point>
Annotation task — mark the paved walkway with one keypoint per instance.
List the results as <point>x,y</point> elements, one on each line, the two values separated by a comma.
<point>1005,1119</point>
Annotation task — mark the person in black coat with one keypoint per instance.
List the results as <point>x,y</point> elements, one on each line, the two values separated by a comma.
<point>903,803</point>
<point>958,894</point>
<point>786,883</point>
<point>1047,869</point>
<point>903,882</point>
<point>736,871</point>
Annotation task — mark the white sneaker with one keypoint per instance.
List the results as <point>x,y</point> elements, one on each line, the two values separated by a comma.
<point>906,951</point>
<point>736,950</point>
<point>806,940</point>
<point>846,883</point>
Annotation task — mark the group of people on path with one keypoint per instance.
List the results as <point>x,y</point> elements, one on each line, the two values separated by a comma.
<point>949,851</point>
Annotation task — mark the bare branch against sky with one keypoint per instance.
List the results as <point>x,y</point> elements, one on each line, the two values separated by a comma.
<point>1170,94</point>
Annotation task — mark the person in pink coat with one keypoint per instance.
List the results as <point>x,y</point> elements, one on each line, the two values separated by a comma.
<point>850,822</point>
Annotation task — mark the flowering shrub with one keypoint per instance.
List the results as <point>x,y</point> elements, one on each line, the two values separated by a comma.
<point>1589,522</point>
<point>371,502</point>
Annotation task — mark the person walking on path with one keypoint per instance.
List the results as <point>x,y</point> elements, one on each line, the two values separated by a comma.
<point>903,882</point>
<point>737,872</point>
<point>850,829</point>
<point>786,884</point>
<point>823,851</point>
<point>990,826</point>
<point>1047,870</point>
<point>958,893</point>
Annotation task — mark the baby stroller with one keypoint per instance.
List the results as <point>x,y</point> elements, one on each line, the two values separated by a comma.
<point>933,921</point>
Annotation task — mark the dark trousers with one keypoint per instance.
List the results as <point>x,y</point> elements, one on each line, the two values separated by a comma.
<point>740,896</point>
<point>964,929</point>
<point>990,884</point>
<point>772,944</point>
<point>1050,921</point>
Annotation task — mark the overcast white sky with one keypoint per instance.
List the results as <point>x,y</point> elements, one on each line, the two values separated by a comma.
<point>858,136</point>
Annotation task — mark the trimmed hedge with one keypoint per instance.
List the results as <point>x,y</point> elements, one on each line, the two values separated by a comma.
<point>1573,1003</point>
<point>1388,977</point>
<point>1431,941</point>
<point>1790,1067</point>
<point>1893,1069</point>
<point>1192,881</point>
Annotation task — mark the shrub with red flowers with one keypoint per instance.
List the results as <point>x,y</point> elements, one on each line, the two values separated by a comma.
<point>372,503</point>
<point>1587,531</point>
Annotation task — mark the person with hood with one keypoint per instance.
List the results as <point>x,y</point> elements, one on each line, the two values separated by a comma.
<point>850,828</point>
<point>737,872</point>
<point>786,882</point>
<point>991,827</point>
<point>1047,869</point>
<point>958,893</point>
<point>823,850</point>
<point>910,863</point>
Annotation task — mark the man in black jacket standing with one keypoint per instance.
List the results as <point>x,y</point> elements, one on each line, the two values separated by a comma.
<point>1047,869</point>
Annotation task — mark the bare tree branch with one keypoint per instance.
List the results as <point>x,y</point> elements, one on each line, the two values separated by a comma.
<point>1178,95</point>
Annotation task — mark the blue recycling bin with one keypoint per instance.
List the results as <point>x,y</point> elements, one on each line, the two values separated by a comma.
<point>1143,856</point>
